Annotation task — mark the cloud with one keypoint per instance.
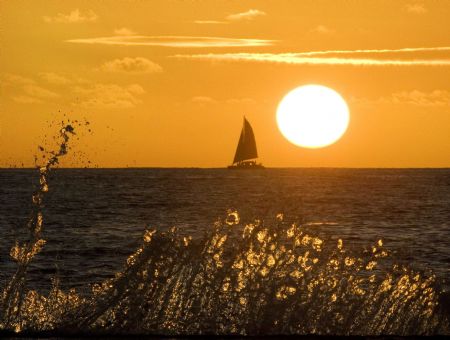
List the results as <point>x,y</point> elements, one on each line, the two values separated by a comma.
<point>205,100</point>
<point>14,80</point>
<point>416,8</point>
<point>38,92</point>
<point>173,41</point>
<point>322,29</point>
<point>249,15</point>
<point>124,31</point>
<point>375,51</point>
<point>436,98</point>
<point>73,17</point>
<point>290,58</point>
<point>202,100</point>
<point>109,96</point>
<point>90,95</point>
<point>131,65</point>
<point>27,90</point>
<point>317,57</point>
<point>54,78</point>
<point>419,98</point>
<point>34,94</point>
<point>209,22</point>
<point>136,89</point>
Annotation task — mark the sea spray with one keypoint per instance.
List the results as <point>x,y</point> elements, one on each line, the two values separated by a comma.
<point>252,278</point>
<point>270,280</point>
<point>13,295</point>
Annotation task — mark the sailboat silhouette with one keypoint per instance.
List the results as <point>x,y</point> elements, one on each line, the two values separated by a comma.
<point>246,152</point>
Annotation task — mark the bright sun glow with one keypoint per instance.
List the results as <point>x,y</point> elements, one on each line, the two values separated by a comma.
<point>312,116</point>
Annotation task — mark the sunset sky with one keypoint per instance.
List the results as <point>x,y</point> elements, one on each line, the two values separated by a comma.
<point>166,83</point>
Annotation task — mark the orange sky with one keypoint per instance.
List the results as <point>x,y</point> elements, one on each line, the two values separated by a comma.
<point>166,83</point>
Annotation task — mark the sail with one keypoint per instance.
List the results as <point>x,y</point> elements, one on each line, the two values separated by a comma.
<point>246,148</point>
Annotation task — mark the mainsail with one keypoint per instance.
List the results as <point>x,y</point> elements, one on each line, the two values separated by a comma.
<point>246,148</point>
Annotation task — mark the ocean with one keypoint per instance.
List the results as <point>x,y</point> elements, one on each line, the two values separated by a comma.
<point>217,251</point>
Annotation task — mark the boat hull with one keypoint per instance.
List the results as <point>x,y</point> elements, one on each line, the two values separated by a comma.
<point>246,166</point>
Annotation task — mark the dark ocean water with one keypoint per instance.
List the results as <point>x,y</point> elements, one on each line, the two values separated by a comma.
<point>220,252</point>
<point>95,218</point>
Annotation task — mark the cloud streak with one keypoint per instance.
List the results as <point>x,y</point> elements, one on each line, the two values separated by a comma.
<point>416,8</point>
<point>292,59</point>
<point>248,15</point>
<point>124,31</point>
<point>325,58</point>
<point>173,41</point>
<point>109,96</point>
<point>76,16</point>
<point>419,98</point>
<point>54,78</point>
<point>27,90</point>
<point>131,65</point>
<point>322,29</point>
<point>374,51</point>
<point>436,98</point>
<point>206,100</point>
<point>251,14</point>
<point>210,22</point>
<point>203,100</point>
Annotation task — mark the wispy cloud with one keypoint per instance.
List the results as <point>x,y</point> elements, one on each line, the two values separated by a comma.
<point>88,94</point>
<point>33,93</point>
<point>76,16</point>
<point>39,92</point>
<point>109,96</point>
<point>15,79</point>
<point>317,57</point>
<point>173,41</point>
<point>210,22</point>
<point>206,100</point>
<point>124,31</point>
<point>248,15</point>
<point>419,98</point>
<point>292,59</point>
<point>54,78</point>
<point>131,65</point>
<point>374,51</point>
<point>26,90</point>
<point>203,100</point>
<point>416,8</point>
<point>322,29</point>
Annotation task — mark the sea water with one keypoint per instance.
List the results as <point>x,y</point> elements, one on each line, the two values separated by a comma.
<point>216,251</point>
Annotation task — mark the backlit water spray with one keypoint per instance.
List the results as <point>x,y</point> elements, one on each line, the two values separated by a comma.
<point>247,279</point>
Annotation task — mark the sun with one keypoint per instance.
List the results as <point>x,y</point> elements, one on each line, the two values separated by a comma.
<point>313,116</point>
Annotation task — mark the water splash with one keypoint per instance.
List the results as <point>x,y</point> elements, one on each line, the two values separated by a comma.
<point>247,279</point>
<point>13,296</point>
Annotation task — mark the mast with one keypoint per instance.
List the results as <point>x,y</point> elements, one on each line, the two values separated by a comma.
<point>246,148</point>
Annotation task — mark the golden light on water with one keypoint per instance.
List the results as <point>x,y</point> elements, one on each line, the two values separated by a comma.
<point>313,116</point>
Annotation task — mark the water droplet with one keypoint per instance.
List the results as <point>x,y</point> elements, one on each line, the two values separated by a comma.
<point>232,217</point>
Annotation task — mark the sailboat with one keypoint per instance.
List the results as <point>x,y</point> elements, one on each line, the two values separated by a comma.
<point>246,152</point>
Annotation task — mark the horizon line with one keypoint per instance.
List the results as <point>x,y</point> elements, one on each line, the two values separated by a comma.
<point>225,167</point>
